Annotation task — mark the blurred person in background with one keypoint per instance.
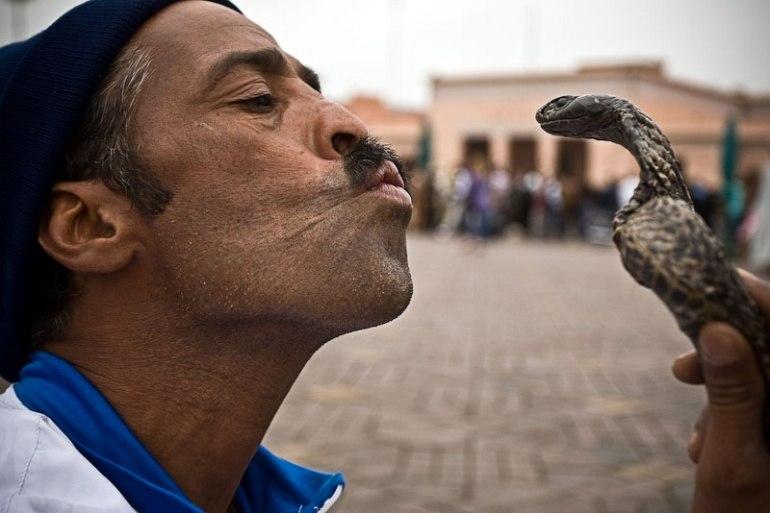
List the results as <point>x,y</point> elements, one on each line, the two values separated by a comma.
<point>625,188</point>
<point>518,203</point>
<point>572,193</point>
<point>479,205</point>
<point>704,202</point>
<point>454,217</point>
<point>598,210</point>
<point>757,225</point>
<point>554,208</point>
<point>535,183</point>
<point>500,188</point>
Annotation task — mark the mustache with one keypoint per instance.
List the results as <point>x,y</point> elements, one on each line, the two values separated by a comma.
<point>366,156</point>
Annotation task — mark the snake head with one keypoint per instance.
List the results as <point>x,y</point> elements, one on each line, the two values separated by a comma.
<point>593,116</point>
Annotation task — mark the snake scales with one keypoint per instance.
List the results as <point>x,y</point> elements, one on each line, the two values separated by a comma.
<point>663,243</point>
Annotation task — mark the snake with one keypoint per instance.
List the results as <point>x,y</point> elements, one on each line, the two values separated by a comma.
<point>663,243</point>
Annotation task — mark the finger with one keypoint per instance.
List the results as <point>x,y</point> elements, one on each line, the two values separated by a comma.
<point>733,383</point>
<point>698,436</point>
<point>692,453</point>
<point>687,368</point>
<point>758,289</point>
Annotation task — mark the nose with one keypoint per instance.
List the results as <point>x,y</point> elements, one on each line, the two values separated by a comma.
<point>337,131</point>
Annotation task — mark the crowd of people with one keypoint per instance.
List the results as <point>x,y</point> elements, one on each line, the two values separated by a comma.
<point>488,201</point>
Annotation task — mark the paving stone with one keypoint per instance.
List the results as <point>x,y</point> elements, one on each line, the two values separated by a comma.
<point>525,377</point>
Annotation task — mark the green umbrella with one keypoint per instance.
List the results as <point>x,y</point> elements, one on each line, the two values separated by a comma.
<point>732,192</point>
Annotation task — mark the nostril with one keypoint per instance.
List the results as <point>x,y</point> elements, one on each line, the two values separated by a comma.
<point>343,142</point>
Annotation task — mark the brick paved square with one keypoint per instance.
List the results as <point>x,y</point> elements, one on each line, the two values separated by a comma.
<point>526,377</point>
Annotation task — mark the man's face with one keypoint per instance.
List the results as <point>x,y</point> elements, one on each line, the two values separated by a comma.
<point>265,225</point>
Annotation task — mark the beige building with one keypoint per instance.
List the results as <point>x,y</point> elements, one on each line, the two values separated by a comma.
<point>398,127</point>
<point>493,117</point>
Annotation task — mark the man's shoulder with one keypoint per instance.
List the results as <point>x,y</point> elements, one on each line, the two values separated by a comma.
<point>41,471</point>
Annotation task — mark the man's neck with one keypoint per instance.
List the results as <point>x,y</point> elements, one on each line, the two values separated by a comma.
<point>201,405</point>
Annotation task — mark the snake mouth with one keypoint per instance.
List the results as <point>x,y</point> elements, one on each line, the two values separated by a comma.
<point>562,126</point>
<point>571,114</point>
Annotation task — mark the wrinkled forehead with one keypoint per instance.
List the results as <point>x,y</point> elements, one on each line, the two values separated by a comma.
<point>187,37</point>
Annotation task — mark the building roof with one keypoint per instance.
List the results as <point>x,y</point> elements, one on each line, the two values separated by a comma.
<point>648,71</point>
<point>373,110</point>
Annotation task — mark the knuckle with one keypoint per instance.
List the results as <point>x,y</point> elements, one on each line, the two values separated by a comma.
<point>734,394</point>
<point>728,370</point>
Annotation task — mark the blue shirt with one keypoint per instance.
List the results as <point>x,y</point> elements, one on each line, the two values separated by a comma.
<point>52,387</point>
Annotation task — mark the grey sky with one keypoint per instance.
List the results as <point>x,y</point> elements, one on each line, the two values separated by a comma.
<point>392,47</point>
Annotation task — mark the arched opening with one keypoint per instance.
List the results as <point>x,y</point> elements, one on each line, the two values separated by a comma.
<point>522,155</point>
<point>571,160</point>
<point>475,149</point>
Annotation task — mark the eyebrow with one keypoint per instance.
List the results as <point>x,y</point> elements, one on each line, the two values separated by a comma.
<point>309,77</point>
<point>267,60</point>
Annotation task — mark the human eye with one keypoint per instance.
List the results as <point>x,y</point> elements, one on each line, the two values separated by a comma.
<point>261,104</point>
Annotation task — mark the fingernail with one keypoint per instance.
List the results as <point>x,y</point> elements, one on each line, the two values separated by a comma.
<point>718,345</point>
<point>685,357</point>
<point>746,277</point>
<point>678,361</point>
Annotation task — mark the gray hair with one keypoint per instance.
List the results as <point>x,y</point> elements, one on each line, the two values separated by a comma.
<point>102,148</point>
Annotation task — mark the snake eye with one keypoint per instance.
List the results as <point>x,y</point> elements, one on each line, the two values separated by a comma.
<point>561,101</point>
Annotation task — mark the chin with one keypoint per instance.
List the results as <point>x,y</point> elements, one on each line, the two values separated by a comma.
<point>375,302</point>
<point>392,303</point>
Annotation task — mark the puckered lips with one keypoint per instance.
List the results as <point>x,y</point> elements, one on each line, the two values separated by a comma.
<point>386,181</point>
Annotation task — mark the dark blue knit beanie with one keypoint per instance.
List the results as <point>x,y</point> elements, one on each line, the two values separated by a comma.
<point>46,83</point>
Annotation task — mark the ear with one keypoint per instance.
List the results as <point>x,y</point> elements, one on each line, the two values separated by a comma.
<point>89,228</point>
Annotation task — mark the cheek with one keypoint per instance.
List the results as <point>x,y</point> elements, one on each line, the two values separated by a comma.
<point>243,205</point>
<point>258,228</point>
<point>243,175</point>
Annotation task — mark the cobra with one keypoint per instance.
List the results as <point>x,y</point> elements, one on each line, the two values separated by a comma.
<point>663,243</point>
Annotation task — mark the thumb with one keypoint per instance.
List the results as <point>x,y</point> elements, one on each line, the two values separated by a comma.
<point>733,382</point>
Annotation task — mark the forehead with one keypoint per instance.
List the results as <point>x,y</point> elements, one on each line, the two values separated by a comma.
<point>189,36</point>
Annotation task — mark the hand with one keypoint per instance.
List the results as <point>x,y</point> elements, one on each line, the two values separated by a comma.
<point>733,473</point>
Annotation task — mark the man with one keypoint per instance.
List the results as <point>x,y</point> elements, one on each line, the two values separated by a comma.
<point>185,220</point>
